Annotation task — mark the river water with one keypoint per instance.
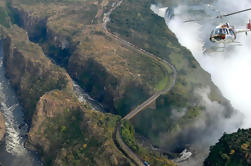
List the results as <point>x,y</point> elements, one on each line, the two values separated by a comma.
<point>12,151</point>
<point>84,97</point>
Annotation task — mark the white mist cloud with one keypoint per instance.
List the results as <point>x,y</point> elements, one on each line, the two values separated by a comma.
<point>216,118</point>
<point>209,127</point>
<point>231,69</point>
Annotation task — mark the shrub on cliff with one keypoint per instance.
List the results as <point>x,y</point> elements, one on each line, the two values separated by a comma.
<point>231,150</point>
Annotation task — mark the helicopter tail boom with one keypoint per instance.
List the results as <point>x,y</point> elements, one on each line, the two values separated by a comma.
<point>249,25</point>
<point>244,30</point>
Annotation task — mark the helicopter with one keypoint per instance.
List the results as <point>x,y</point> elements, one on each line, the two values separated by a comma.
<point>226,33</point>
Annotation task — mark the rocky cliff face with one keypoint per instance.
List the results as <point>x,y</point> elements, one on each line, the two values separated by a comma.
<point>176,113</point>
<point>63,131</point>
<point>117,76</point>
<point>67,133</point>
<point>35,26</point>
<point>2,127</point>
<point>29,71</point>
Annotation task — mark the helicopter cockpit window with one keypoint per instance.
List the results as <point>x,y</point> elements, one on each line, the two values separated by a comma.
<point>225,31</point>
<point>218,31</point>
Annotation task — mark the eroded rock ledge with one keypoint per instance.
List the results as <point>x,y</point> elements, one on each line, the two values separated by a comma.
<point>2,127</point>
<point>63,130</point>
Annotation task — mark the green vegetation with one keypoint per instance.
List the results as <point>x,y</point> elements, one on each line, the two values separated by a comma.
<point>231,150</point>
<point>35,87</point>
<point>74,135</point>
<point>142,77</point>
<point>170,120</point>
<point>118,77</point>
<point>72,143</point>
<point>4,18</point>
<point>128,135</point>
<point>30,72</point>
<point>135,22</point>
<point>162,85</point>
<point>133,96</point>
<point>154,158</point>
<point>153,73</point>
<point>64,131</point>
<point>114,74</point>
<point>29,2</point>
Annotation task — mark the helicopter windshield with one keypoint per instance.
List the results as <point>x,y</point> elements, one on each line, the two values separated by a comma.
<point>225,31</point>
<point>218,31</point>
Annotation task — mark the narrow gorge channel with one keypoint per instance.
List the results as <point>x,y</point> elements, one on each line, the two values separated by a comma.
<point>84,97</point>
<point>12,151</point>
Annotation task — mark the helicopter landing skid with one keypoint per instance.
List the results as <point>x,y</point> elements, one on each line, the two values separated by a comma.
<point>222,48</point>
<point>236,44</point>
<point>214,49</point>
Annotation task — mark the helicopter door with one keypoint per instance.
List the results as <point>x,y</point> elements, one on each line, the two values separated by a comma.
<point>229,37</point>
<point>232,34</point>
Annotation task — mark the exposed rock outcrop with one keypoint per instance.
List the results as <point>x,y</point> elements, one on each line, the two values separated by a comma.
<point>118,77</point>
<point>70,133</point>
<point>63,131</point>
<point>2,127</point>
<point>30,72</point>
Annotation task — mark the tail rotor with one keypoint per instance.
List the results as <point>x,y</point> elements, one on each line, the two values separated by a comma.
<point>249,25</point>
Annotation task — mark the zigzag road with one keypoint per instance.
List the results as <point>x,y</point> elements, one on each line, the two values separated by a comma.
<point>126,150</point>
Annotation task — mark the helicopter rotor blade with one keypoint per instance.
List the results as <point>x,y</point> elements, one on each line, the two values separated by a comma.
<point>186,21</point>
<point>230,14</point>
<point>221,16</point>
<point>198,20</point>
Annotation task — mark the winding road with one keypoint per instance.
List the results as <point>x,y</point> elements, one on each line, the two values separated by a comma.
<point>122,146</point>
